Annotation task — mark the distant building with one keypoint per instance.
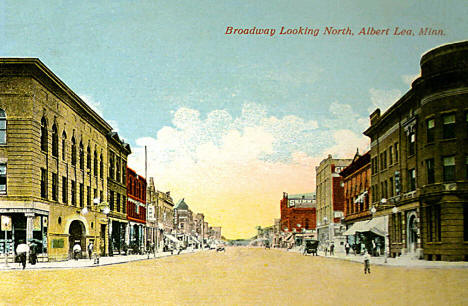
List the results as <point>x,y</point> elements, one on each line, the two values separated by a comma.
<point>330,200</point>
<point>298,212</point>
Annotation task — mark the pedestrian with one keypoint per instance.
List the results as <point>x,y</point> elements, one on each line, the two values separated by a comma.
<point>22,250</point>
<point>366,262</point>
<point>374,248</point>
<point>76,250</point>
<point>332,249</point>
<point>90,249</point>
<point>347,248</point>
<point>33,253</point>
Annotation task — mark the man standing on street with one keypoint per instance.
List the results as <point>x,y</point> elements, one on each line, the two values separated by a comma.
<point>90,249</point>
<point>347,248</point>
<point>366,262</point>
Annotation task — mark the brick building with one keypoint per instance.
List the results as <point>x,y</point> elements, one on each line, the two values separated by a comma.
<point>419,160</point>
<point>136,210</point>
<point>298,212</point>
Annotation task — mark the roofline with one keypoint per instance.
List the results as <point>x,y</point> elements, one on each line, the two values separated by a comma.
<point>50,75</point>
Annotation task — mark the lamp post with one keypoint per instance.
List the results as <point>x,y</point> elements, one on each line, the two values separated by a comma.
<point>105,210</point>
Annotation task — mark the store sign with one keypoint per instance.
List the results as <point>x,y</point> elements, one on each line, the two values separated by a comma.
<point>6,223</point>
<point>37,223</point>
<point>150,212</point>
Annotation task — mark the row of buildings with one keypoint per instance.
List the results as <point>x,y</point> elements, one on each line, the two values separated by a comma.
<point>64,178</point>
<point>408,195</point>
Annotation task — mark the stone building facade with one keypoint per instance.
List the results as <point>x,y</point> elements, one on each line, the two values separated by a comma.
<point>419,160</point>
<point>330,200</point>
<point>53,149</point>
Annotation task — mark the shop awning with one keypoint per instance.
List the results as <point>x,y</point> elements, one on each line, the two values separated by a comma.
<point>172,238</point>
<point>195,239</point>
<point>375,225</point>
<point>289,237</point>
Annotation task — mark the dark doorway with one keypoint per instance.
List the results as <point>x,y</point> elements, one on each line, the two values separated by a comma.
<point>77,235</point>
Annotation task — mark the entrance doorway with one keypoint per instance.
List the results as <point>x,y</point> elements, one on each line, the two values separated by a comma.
<point>412,236</point>
<point>77,235</point>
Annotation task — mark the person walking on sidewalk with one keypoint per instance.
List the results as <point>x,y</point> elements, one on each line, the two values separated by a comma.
<point>366,262</point>
<point>90,249</point>
<point>347,248</point>
<point>22,250</point>
<point>332,249</point>
<point>76,250</point>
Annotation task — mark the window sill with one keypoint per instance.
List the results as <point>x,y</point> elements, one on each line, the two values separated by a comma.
<point>448,139</point>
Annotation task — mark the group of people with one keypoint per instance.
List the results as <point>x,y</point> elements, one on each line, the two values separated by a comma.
<point>22,251</point>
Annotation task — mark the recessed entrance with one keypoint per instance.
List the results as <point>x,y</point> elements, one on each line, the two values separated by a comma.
<point>77,235</point>
<point>412,231</point>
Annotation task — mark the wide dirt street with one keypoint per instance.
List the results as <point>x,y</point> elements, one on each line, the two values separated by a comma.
<point>241,276</point>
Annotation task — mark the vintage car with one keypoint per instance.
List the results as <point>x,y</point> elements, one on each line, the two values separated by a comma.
<point>310,246</point>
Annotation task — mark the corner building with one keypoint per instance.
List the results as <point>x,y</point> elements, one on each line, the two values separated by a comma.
<point>419,160</point>
<point>53,149</point>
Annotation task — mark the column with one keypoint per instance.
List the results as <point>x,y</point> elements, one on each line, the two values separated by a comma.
<point>29,226</point>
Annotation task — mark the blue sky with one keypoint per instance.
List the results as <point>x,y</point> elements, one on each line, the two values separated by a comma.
<point>159,70</point>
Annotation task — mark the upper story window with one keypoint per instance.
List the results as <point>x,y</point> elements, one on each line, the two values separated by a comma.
<point>118,175</point>
<point>88,159</point>
<point>396,151</point>
<point>95,166</point>
<point>430,171</point>
<point>3,179</point>
<point>73,151</point>
<point>411,143</point>
<point>124,173</point>
<point>411,179</point>
<point>111,166</point>
<point>54,141</point>
<point>2,127</point>
<point>448,130</point>
<point>449,168</point>
<point>430,127</point>
<point>64,145</point>
<point>81,156</point>
<point>390,156</point>
<point>43,134</point>
<point>101,167</point>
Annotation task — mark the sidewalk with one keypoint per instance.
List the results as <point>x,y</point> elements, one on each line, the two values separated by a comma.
<point>88,263</point>
<point>395,262</point>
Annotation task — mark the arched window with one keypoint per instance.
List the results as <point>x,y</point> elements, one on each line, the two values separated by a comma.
<point>88,158</point>
<point>2,127</point>
<point>81,156</point>
<point>95,163</point>
<point>54,141</point>
<point>73,151</point>
<point>43,134</point>
<point>64,144</point>
<point>101,166</point>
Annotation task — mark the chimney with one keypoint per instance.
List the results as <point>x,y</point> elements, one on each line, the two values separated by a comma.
<point>375,116</point>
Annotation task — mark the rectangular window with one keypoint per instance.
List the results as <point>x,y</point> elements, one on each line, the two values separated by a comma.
<point>386,189</point>
<point>411,143</point>
<point>111,200</point>
<point>124,204</point>
<point>101,196</point>
<point>64,190</point>
<point>54,187</point>
<point>396,152</point>
<point>390,155</point>
<point>3,178</point>
<point>118,176</point>
<point>81,195</point>
<point>411,179</point>
<point>448,129</point>
<point>385,159</point>
<point>390,183</point>
<point>430,125</point>
<point>88,196</point>
<point>465,222</point>
<point>43,183</point>
<point>437,224</point>
<point>430,171</point>
<point>429,226</point>
<point>95,194</point>
<point>400,234</point>
<point>449,168</point>
<point>73,193</point>
<point>466,167</point>
<point>118,202</point>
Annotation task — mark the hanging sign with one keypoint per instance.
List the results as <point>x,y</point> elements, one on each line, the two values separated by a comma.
<point>6,223</point>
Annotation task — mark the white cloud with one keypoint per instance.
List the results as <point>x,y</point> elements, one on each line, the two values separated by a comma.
<point>226,165</point>
<point>95,105</point>
<point>383,99</point>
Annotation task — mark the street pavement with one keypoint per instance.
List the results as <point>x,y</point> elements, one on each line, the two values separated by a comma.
<point>239,276</point>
